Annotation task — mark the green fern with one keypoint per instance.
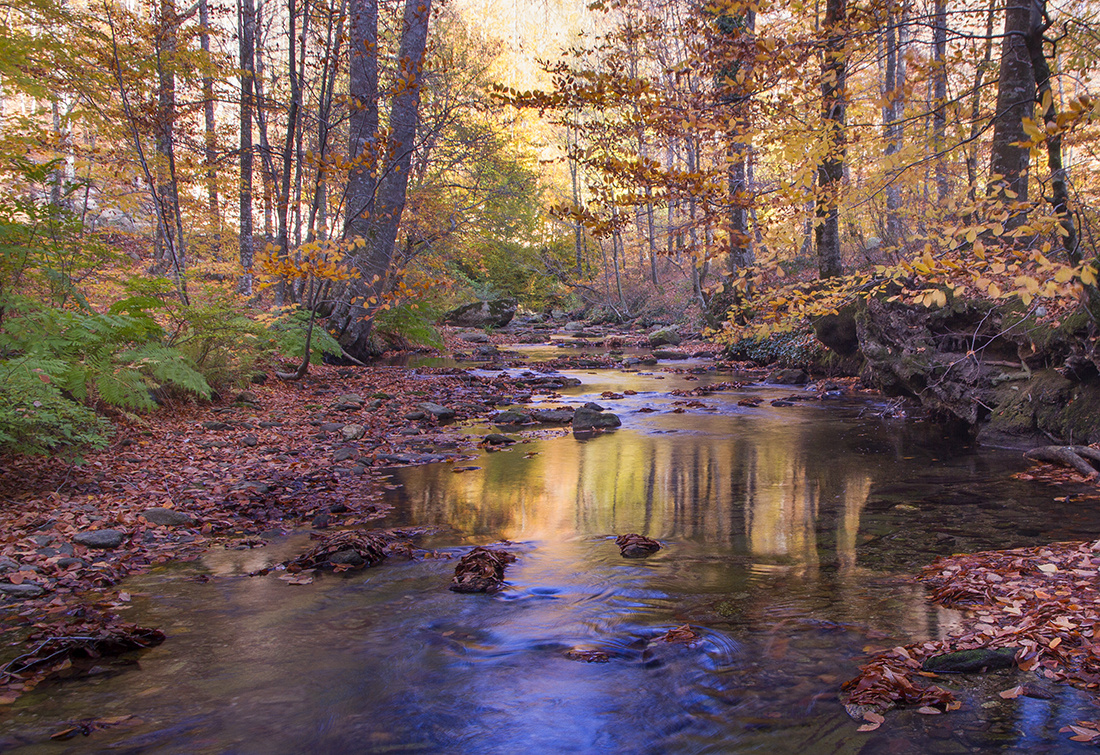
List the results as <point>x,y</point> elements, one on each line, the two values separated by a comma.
<point>35,418</point>
<point>290,337</point>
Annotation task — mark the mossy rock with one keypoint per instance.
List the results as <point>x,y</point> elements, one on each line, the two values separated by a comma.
<point>974,661</point>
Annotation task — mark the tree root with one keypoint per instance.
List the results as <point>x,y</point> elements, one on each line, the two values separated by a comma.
<point>1068,456</point>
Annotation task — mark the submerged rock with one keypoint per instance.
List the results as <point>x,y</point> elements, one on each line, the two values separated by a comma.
<point>636,546</point>
<point>481,570</point>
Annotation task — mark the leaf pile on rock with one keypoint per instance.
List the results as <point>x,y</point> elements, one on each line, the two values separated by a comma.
<point>1044,601</point>
<point>481,570</point>
<point>54,648</point>
<point>342,551</point>
<point>679,634</point>
<point>636,546</point>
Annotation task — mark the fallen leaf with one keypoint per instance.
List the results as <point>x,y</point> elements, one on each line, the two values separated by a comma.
<point>929,711</point>
<point>1012,694</point>
<point>869,727</point>
<point>1048,568</point>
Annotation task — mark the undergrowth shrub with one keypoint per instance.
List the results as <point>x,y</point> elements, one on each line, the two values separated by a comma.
<point>409,324</point>
<point>36,418</point>
<point>289,330</point>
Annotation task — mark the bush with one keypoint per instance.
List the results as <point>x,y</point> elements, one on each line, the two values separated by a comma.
<point>35,418</point>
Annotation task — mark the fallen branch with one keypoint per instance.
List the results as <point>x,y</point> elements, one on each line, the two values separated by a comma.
<point>1068,456</point>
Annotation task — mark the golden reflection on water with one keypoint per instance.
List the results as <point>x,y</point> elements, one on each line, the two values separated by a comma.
<point>763,489</point>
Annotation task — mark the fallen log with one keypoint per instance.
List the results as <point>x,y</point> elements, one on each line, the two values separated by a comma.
<point>1068,456</point>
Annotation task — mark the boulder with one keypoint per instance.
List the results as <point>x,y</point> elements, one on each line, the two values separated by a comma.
<point>353,432</point>
<point>669,354</point>
<point>587,420</point>
<point>440,412</point>
<point>481,570</point>
<point>511,417</point>
<point>788,377</point>
<point>105,539</point>
<point>167,517</point>
<point>475,338</point>
<point>553,416</point>
<point>496,439</point>
<point>664,337</point>
<point>482,314</point>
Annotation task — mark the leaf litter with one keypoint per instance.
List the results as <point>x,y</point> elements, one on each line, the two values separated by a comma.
<point>1043,602</point>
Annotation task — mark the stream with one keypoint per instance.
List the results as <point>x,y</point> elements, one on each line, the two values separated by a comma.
<point>791,535</point>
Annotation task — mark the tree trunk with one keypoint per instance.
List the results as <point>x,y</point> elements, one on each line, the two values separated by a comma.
<point>246,21</point>
<point>892,113</point>
<point>210,153</point>
<point>1059,199</point>
<point>363,118</point>
<point>1008,165</point>
<point>353,319</point>
<point>171,229</point>
<point>830,172</point>
<point>939,96</point>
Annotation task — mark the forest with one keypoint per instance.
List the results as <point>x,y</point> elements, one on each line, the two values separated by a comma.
<point>264,264</point>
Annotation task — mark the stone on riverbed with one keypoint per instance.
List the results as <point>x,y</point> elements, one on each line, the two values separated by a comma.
<point>167,517</point>
<point>587,420</point>
<point>973,661</point>
<point>24,590</point>
<point>481,570</point>
<point>105,539</point>
<point>636,546</point>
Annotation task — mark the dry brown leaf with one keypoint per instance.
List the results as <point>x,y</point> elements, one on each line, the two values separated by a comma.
<point>1012,694</point>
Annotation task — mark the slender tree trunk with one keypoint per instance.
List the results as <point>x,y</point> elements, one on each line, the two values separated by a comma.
<point>246,32</point>
<point>892,113</point>
<point>210,153</point>
<point>830,172</point>
<point>318,212</point>
<point>165,51</point>
<point>939,96</point>
<point>1059,198</point>
<point>976,108</point>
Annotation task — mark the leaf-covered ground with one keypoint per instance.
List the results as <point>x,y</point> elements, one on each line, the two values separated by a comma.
<point>1043,602</point>
<point>282,455</point>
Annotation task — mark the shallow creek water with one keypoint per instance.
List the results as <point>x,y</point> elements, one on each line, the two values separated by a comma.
<point>790,537</point>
